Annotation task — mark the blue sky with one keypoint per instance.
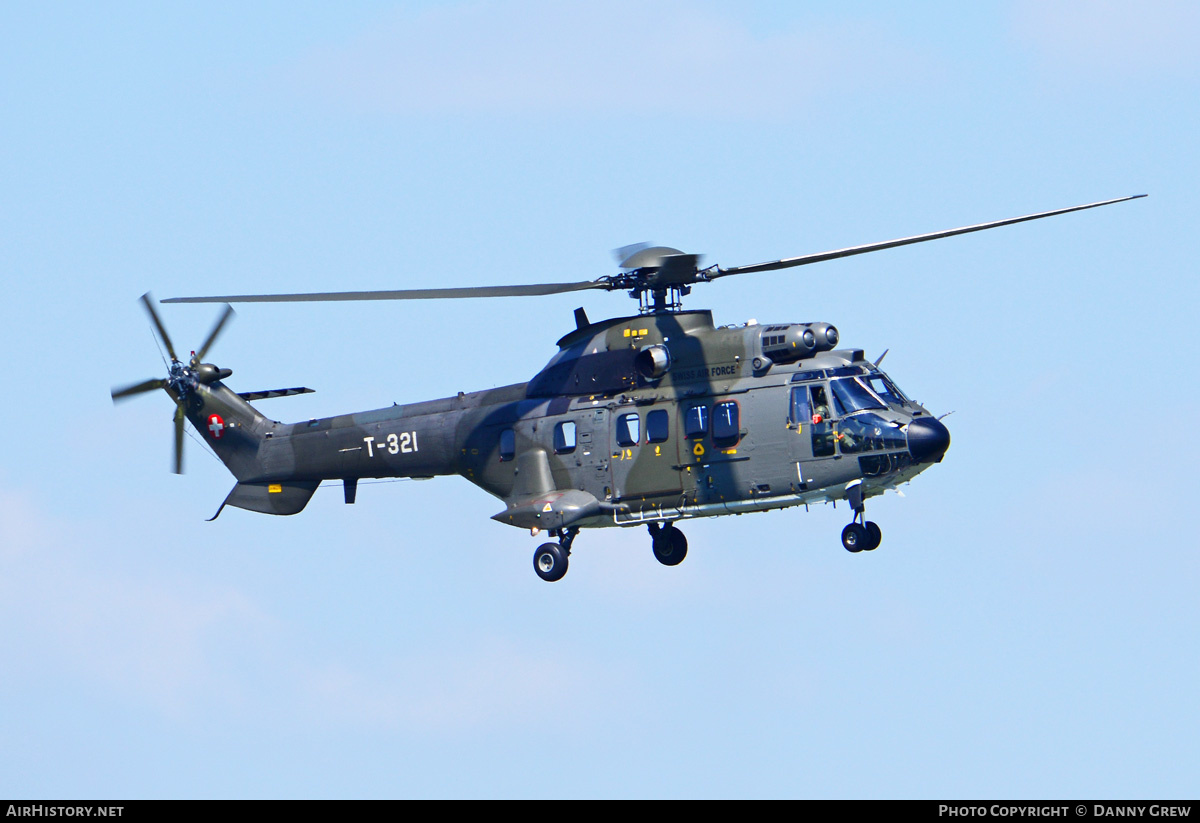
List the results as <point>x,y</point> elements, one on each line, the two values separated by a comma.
<point>1027,628</point>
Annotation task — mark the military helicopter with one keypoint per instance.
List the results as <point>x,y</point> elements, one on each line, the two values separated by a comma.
<point>644,420</point>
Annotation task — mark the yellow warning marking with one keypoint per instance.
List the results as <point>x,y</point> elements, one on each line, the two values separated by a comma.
<point>698,450</point>
<point>658,451</point>
<point>628,332</point>
<point>274,488</point>
<point>643,332</point>
<point>546,507</point>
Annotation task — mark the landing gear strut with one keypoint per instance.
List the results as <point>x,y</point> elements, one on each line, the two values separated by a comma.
<point>861,534</point>
<point>670,546</point>
<point>551,559</point>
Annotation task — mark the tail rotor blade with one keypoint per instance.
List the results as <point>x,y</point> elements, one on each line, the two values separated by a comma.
<point>162,330</point>
<point>212,336</point>
<point>179,417</point>
<point>138,388</point>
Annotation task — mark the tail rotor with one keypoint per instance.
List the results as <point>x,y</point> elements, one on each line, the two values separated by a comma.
<point>181,380</point>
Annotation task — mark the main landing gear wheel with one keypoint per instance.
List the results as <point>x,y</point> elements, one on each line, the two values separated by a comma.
<point>670,546</point>
<point>550,562</point>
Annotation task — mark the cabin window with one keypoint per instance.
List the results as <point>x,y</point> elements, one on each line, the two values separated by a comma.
<point>658,426</point>
<point>695,422</point>
<point>564,437</point>
<point>726,426</point>
<point>629,429</point>
<point>508,445</point>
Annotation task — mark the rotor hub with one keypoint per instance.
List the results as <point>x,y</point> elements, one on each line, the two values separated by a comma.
<point>181,380</point>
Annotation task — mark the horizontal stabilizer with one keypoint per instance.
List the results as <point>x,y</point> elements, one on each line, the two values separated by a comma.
<point>271,498</point>
<point>263,395</point>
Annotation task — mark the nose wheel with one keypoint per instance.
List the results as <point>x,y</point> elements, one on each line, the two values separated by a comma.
<point>861,535</point>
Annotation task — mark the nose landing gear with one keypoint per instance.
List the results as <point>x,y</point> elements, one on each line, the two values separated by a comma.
<point>861,534</point>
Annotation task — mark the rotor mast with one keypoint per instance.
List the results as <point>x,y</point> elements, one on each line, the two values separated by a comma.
<point>658,277</point>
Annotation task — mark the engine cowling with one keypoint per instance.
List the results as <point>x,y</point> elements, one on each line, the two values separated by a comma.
<point>795,341</point>
<point>653,362</point>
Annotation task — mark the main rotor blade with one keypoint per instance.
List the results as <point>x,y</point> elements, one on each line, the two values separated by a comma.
<point>212,336</point>
<point>162,330</point>
<point>138,388</point>
<point>179,438</point>
<point>531,290</point>
<point>788,262</point>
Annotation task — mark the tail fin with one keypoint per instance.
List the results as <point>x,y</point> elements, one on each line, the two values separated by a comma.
<point>231,427</point>
<point>238,434</point>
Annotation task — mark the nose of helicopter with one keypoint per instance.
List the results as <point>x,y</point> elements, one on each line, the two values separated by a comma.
<point>928,440</point>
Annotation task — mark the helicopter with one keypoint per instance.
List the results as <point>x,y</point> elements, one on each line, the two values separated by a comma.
<point>642,420</point>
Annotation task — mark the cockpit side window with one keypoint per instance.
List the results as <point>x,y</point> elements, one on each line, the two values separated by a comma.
<point>820,404</point>
<point>798,413</point>
<point>822,429</point>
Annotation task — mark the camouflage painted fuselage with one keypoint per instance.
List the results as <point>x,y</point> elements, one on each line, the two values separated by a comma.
<point>635,419</point>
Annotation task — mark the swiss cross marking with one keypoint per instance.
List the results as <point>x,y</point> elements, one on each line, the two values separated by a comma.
<point>216,425</point>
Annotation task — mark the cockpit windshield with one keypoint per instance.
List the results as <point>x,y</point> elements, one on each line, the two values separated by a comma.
<point>886,389</point>
<point>850,396</point>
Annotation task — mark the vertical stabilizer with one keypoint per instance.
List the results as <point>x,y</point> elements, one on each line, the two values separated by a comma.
<point>230,426</point>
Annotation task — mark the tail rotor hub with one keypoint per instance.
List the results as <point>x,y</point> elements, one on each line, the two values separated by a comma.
<point>181,380</point>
